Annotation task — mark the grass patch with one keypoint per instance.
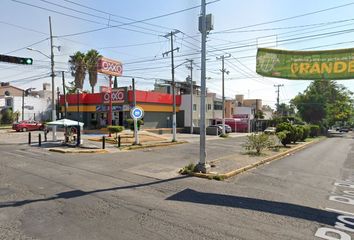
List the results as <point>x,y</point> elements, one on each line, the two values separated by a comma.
<point>253,154</point>
<point>188,169</point>
<point>216,177</point>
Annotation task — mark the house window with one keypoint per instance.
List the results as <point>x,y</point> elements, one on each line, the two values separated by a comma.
<point>194,107</point>
<point>209,107</point>
<point>217,105</point>
<point>9,102</point>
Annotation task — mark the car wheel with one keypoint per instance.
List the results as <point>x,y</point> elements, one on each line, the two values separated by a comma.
<point>24,129</point>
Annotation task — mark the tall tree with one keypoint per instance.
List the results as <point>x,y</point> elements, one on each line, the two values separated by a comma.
<point>91,60</point>
<point>285,110</point>
<point>324,102</point>
<point>78,68</point>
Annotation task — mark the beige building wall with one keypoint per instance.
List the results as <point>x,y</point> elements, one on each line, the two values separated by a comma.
<point>14,91</point>
<point>254,103</point>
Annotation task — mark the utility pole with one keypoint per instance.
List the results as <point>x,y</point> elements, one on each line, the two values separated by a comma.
<point>202,165</point>
<point>190,67</point>
<point>23,105</point>
<point>136,136</point>
<point>64,92</point>
<point>278,86</point>
<point>78,118</point>
<point>223,71</point>
<point>53,76</point>
<point>110,112</point>
<point>170,35</point>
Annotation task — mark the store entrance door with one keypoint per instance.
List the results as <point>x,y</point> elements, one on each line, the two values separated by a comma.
<point>120,118</point>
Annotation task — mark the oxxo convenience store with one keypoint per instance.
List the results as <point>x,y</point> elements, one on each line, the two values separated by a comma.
<point>93,108</point>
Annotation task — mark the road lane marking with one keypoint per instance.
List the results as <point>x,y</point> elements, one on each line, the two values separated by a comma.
<point>339,211</point>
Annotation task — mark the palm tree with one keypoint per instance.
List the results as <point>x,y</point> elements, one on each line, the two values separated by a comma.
<point>91,60</point>
<point>78,68</point>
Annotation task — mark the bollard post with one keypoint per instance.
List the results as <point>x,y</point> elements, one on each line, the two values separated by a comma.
<point>118,140</point>
<point>103,142</point>
<point>29,138</point>
<point>39,139</point>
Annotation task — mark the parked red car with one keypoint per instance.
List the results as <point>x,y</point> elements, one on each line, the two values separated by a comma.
<point>24,126</point>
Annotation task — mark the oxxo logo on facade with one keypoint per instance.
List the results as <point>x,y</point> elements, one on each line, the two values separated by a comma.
<point>117,96</point>
<point>345,221</point>
<point>109,67</point>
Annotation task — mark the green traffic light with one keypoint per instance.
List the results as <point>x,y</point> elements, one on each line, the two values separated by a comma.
<point>29,61</point>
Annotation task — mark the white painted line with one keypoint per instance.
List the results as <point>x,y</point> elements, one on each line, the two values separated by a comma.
<point>339,211</point>
<point>14,154</point>
<point>27,153</point>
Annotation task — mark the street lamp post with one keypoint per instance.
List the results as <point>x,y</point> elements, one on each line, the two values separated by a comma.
<point>51,57</point>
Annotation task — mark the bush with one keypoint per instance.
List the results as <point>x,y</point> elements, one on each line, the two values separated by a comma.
<point>306,133</point>
<point>130,123</point>
<point>314,130</point>
<point>291,135</point>
<point>284,137</point>
<point>257,142</point>
<point>116,130</point>
<point>7,116</point>
<point>299,133</point>
<point>187,169</point>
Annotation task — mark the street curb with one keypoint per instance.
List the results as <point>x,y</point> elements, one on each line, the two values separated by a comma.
<point>254,165</point>
<point>136,147</point>
<point>78,151</point>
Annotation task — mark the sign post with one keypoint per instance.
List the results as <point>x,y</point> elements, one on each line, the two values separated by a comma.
<point>111,68</point>
<point>136,113</point>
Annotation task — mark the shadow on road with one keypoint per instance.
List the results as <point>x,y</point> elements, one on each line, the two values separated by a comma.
<point>278,208</point>
<point>79,193</point>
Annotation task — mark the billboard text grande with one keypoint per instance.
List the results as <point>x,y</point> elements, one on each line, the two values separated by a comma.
<point>306,65</point>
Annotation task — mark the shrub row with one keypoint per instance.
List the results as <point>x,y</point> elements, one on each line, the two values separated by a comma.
<point>288,133</point>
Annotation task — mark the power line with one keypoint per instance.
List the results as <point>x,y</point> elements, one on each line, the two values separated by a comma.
<point>92,15</point>
<point>289,27</point>
<point>23,28</point>
<point>137,21</point>
<point>35,43</point>
<point>289,18</point>
<point>110,14</point>
<point>83,19</point>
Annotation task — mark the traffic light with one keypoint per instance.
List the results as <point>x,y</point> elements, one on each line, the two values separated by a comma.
<point>16,60</point>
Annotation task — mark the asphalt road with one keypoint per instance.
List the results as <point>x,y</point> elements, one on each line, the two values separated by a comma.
<point>138,195</point>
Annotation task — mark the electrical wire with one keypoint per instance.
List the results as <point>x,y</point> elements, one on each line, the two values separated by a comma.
<point>288,18</point>
<point>134,22</point>
<point>30,45</point>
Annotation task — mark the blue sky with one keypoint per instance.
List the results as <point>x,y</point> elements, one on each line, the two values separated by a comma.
<point>140,45</point>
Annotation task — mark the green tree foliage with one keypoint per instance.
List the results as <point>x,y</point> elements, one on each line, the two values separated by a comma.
<point>289,130</point>
<point>131,123</point>
<point>259,114</point>
<point>78,68</point>
<point>314,130</point>
<point>7,116</point>
<point>324,103</point>
<point>285,110</point>
<point>115,130</point>
<point>91,59</point>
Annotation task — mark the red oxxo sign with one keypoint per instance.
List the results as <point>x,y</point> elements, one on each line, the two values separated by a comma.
<point>118,96</point>
<point>109,67</point>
